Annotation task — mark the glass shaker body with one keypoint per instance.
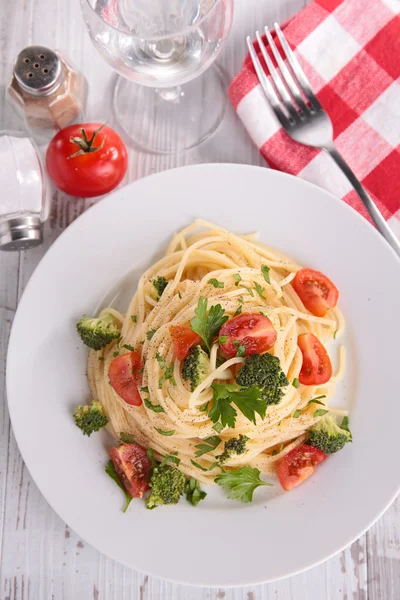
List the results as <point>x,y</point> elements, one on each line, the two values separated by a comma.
<point>47,91</point>
<point>24,192</point>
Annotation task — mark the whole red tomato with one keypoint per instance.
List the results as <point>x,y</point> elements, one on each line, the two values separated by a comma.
<point>86,160</point>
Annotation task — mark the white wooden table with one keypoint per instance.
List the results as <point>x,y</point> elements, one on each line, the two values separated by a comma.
<point>41,557</point>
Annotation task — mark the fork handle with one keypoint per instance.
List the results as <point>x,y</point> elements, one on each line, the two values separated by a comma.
<point>369,204</point>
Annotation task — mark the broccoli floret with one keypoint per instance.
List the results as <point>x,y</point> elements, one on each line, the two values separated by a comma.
<point>263,371</point>
<point>97,332</point>
<point>195,367</point>
<point>167,485</point>
<point>90,418</point>
<point>327,436</point>
<point>159,285</point>
<point>233,447</point>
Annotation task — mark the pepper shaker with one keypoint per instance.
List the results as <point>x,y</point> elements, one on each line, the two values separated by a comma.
<point>24,193</point>
<point>46,91</point>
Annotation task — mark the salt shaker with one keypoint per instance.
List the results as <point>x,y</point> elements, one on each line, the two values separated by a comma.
<point>46,91</point>
<point>24,193</point>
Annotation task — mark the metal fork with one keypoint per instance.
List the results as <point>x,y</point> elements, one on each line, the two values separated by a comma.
<point>305,120</point>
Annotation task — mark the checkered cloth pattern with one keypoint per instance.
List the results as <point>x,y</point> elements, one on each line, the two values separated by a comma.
<point>350,52</point>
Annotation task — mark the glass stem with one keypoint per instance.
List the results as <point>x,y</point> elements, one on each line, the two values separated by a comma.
<point>170,94</point>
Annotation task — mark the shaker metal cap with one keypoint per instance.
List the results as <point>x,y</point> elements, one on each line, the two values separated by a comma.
<point>38,70</point>
<point>21,233</point>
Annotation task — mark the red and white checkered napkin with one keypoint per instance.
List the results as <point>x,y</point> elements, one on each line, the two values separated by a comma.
<point>350,52</point>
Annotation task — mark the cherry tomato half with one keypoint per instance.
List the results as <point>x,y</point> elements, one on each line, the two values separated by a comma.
<point>183,339</point>
<point>125,377</point>
<point>253,331</point>
<point>316,367</point>
<point>132,466</point>
<point>86,160</point>
<point>299,464</point>
<point>316,291</point>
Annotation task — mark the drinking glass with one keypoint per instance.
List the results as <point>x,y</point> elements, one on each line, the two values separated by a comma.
<point>159,47</point>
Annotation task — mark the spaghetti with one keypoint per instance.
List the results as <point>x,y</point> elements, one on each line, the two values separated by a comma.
<point>195,255</point>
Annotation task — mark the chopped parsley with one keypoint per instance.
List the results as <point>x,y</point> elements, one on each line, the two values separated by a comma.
<point>265,271</point>
<point>116,353</point>
<point>133,318</point>
<point>196,464</point>
<point>171,458</point>
<point>193,491</point>
<point>111,472</point>
<point>248,289</point>
<point>204,407</point>
<point>145,389</point>
<point>101,357</point>
<point>128,347</point>
<point>150,333</point>
<point>222,339</point>
<point>240,348</point>
<point>164,432</point>
<point>296,414</point>
<point>237,278</point>
<point>127,438</point>
<point>320,412</point>
<point>160,361</point>
<point>296,383</point>
<point>260,290</point>
<point>216,283</point>
<point>316,400</point>
<point>240,306</point>
<point>209,444</point>
<point>157,408</point>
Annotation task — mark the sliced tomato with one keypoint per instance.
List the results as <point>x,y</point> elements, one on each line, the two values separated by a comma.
<point>299,464</point>
<point>132,466</point>
<point>253,331</point>
<point>316,367</point>
<point>125,377</point>
<point>183,338</point>
<point>316,291</point>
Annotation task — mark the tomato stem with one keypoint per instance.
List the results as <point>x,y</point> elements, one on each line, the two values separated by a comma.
<point>85,144</point>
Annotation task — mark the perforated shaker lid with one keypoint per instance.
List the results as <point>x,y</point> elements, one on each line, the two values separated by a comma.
<point>38,70</point>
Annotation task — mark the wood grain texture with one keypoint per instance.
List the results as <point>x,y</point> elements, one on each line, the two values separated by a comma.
<point>41,557</point>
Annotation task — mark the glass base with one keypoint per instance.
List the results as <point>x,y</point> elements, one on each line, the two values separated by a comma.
<point>171,120</point>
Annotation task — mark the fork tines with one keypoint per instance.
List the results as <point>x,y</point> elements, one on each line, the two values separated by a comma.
<point>289,86</point>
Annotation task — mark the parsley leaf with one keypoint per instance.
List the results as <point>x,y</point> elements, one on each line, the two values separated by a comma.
<point>168,374</point>
<point>221,409</point>
<point>296,414</point>
<point>265,271</point>
<point>154,407</point>
<point>216,283</point>
<point>334,333</point>
<point>111,472</point>
<point>195,464</point>
<point>203,407</point>
<point>239,308</point>
<point>241,483</point>
<point>218,427</point>
<point>259,289</point>
<point>296,383</point>
<point>170,458</point>
<point>237,278</point>
<point>316,400</point>
<point>240,349</point>
<point>207,325</point>
<point>145,389</point>
<point>150,333</point>
<point>161,361</point>
<point>248,289</point>
<point>345,424</point>
<point>163,432</point>
<point>115,354</point>
<point>320,412</point>
<point>222,339</point>
<point>193,491</point>
<point>208,445</point>
<point>127,438</point>
<point>249,402</point>
<point>128,347</point>
<point>134,318</point>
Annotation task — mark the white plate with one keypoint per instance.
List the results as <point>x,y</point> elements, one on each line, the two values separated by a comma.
<point>220,542</point>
